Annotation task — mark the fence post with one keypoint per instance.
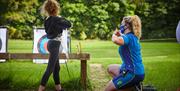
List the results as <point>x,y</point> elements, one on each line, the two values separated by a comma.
<point>84,74</point>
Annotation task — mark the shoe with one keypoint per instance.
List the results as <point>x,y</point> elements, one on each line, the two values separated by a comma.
<point>58,87</point>
<point>41,88</point>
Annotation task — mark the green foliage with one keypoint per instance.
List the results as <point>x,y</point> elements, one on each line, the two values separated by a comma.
<point>19,17</point>
<point>160,18</point>
<point>93,18</point>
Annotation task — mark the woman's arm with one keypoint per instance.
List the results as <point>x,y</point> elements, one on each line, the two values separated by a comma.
<point>61,24</point>
<point>117,40</point>
<point>65,23</point>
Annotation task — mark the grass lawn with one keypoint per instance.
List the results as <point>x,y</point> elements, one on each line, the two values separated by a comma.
<point>161,60</point>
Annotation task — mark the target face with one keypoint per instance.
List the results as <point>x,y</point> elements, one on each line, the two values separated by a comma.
<point>42,45</point>
<point>0,43</point>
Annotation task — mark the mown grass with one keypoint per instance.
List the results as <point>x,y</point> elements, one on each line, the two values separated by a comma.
<point>161,59</point>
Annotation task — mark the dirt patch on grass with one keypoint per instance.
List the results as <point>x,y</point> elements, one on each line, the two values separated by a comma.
<point>98,77</point>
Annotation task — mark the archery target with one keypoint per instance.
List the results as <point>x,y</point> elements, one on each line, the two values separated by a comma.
<point>3,41</point>
<point>178,32</point>
<point>42,45</point>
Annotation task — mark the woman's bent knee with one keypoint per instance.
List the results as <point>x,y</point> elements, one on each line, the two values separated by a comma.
<point>113,69</point>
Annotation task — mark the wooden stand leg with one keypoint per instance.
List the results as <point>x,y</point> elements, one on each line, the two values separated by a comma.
<point>83,73</point>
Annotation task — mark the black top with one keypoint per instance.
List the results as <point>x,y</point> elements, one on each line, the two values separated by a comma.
<point>54,25</point>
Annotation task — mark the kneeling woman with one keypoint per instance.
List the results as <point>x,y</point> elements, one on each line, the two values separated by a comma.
<point>131,72</point>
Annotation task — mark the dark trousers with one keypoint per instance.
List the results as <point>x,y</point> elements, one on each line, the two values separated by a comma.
<point>53,63</point>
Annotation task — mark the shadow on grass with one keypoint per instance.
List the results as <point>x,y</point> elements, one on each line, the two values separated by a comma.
<point>75,85</point>
<point>6,84</point>
<point>71,85</point>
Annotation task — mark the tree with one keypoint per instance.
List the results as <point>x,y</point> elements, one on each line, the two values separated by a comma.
<point>19,17</point>
<point>93,18</point>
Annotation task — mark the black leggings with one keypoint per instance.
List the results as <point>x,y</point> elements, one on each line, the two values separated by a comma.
<point>53,63</point>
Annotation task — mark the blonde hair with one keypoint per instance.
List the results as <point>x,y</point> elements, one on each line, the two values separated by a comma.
<point>50,8</point>
<point>135,23</point>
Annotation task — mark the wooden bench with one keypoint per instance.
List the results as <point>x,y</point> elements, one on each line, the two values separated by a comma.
<point>83,57</point>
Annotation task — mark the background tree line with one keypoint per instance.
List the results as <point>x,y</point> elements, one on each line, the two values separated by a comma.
<point>93,18</point>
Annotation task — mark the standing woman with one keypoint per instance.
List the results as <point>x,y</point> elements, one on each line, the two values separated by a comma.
<point>54,26</point>
<point>131,72</point>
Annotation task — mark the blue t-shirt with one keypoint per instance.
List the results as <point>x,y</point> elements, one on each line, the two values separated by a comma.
<point>130,54</point>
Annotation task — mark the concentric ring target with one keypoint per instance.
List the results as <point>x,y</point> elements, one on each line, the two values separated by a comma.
<point>42,45</point>
<point>0,44</point>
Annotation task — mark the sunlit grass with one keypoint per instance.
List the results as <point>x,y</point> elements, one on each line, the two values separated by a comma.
<point>161,59</point>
